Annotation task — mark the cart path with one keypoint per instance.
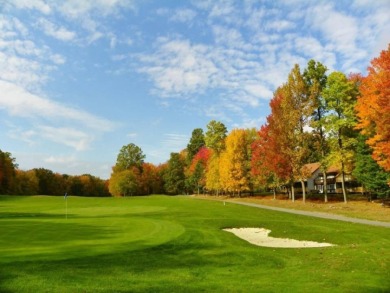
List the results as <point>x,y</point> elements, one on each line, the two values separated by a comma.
<point>313,214</point>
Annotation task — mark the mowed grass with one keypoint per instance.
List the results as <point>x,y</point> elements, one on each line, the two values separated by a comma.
<point>175,244</point>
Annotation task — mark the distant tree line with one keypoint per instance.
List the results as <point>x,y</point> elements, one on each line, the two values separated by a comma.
<point>42,181</point>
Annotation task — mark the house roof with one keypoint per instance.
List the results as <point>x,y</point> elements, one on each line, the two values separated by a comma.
<point>312,167</point>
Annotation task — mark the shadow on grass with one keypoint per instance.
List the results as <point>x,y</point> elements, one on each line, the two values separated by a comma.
<point>13,215</point>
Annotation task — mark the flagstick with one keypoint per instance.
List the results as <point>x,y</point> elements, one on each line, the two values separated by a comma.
<point>66,205</point>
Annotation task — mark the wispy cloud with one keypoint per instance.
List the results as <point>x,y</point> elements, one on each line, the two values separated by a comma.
<point>83,126</point>
<point>245,66</point>
<point>58,32</point>
<point>183,15</point>
<point>175,142</point>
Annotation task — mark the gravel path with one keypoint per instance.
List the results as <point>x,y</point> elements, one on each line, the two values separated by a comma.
<point>315,214</point>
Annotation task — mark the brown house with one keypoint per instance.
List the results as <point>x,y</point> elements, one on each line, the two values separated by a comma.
<point>315,181</point>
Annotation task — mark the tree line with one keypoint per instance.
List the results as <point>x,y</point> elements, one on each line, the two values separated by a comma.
<point>332,119</point>
<point>40,181</point>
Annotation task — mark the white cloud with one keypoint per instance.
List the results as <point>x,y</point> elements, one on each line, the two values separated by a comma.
<point>21,60</point>
<point>60,33</point>
<point>19,102</point>
<point>79,9</point>
<point>81,127</point>
<point>258,90</point>
<point>175,142</point>
<point>280,25</point>
<point>183,15</point>
<point>39,5</point>
<point>178,67</point>
<point>74,138</point>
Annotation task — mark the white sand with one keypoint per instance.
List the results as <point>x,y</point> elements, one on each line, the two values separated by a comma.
<point>259,236</point>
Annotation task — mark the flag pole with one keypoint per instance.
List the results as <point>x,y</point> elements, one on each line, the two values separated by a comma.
<point>66,205</point>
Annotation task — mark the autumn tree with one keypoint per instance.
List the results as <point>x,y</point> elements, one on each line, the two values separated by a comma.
<point>7,172</point>
<point>213,182</point>
<point>124,183</point>
<point>150,181</point>
<point>373,108</point>
<point>267,162</point>
<point>289,123</point>
<point>340,95</point>
<point>196,173</point>
<point>315,78</point>
<point>234,172</point>
<point>26,183</point>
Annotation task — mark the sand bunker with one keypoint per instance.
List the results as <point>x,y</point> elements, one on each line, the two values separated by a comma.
<point>259,236</point>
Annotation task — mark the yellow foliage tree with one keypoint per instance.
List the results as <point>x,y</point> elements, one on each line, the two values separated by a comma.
<point>234,171</point>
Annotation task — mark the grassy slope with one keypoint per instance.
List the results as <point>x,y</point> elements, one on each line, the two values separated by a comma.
<point>175,244</point>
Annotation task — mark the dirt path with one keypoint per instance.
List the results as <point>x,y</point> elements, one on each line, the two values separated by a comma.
<point>315,214</point>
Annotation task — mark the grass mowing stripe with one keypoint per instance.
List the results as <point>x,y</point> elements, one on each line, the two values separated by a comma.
<point>182,248</point>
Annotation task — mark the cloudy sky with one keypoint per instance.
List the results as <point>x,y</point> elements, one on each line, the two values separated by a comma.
<point>80,79</point>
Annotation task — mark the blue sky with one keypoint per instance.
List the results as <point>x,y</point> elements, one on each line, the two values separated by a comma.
<point>80,79</point>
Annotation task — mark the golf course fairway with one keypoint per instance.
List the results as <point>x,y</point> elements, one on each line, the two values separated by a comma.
<point>177,244</point>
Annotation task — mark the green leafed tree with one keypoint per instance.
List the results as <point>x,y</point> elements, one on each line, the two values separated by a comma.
<point>215,136</point>
<point>340,95</point>
<point>367,171</point>
<point>174,177</point>
<point>316,78</point>
<point>129,156</point>
<point>196,142</point>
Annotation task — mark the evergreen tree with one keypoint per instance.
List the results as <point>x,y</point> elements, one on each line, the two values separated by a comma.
<point>174,175</point>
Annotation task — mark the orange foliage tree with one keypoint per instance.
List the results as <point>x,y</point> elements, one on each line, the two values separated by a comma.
<point>373,108</point>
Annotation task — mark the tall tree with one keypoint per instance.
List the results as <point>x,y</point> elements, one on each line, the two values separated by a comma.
<point>196,142</point>
<point>129,156</point>
<point>373,108</point>
<point>297,109</point>
<point>174,175</point>
<point>234,163</point>
<point>196,173</point>
<point>315,78</point>
<point>213,182</point>
<point>266,160</point>
<point>215,136</point>
<point>7,172</point>
<point>340,95</point>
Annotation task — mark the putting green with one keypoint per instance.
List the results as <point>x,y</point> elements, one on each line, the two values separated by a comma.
<point>60,238</point>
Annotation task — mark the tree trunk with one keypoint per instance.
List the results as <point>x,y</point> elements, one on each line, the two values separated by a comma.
<point>292,193</point>
<point>274,193</point>
<point>343,182</point>
<point>303,191</point>
<point>325,187</point>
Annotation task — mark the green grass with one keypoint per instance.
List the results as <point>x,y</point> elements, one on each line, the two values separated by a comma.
<point>175,244</point>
